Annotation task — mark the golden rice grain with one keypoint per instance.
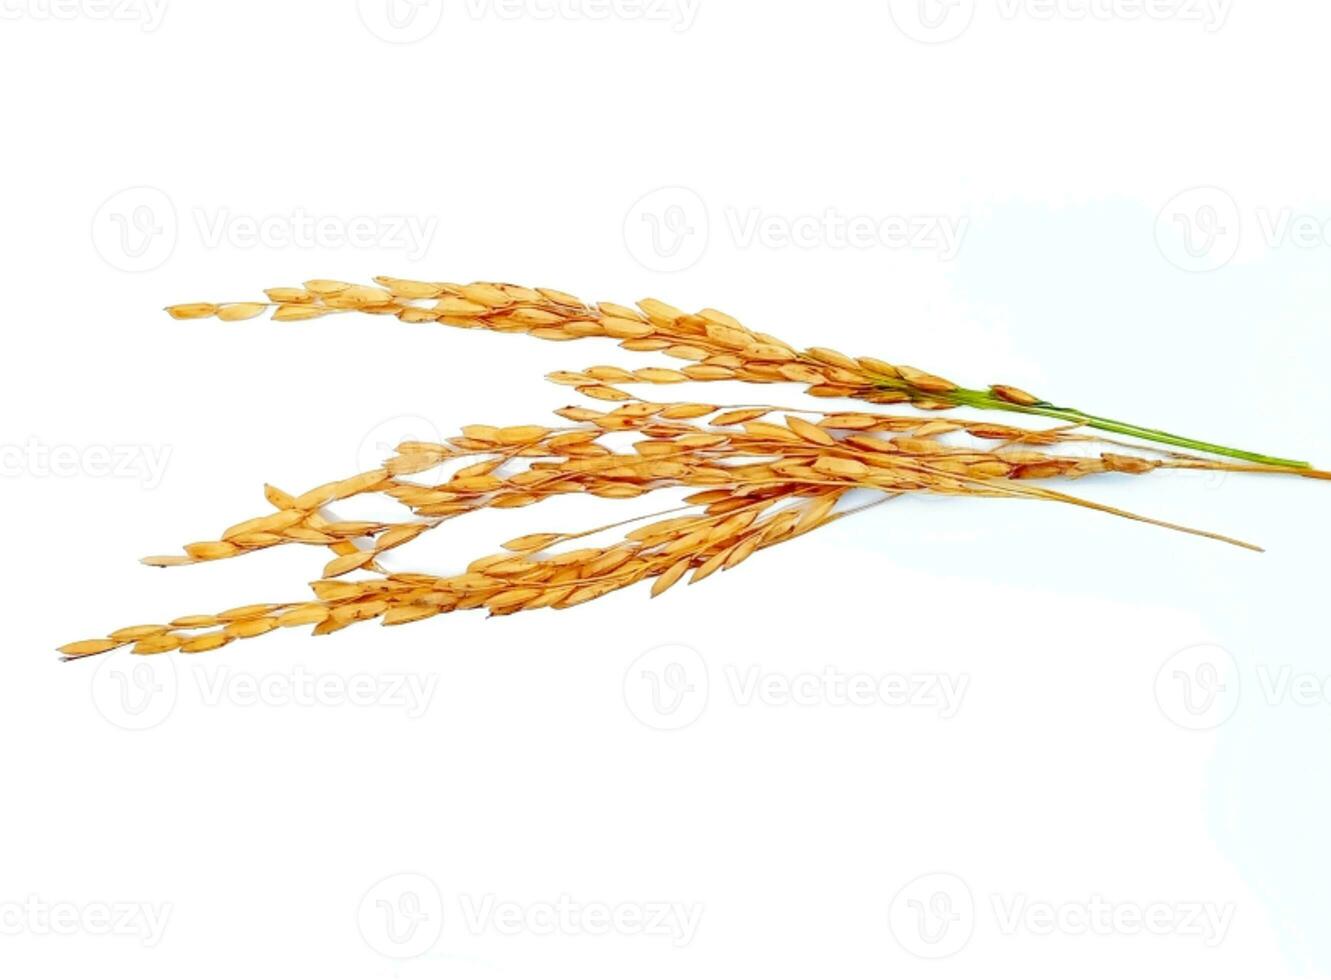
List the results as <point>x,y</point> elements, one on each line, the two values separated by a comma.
<point>251,627</point>
<point>88,648</point>
<point>240,311</point>
<point>298,311</point>
<point>158,644</point>
<point>192,311</point>
<point>137,632</point>
<point>283,294</point>
<point>205,642</point>
<point>326,287</point>
<point>304,615</point>
<point>347,563</point>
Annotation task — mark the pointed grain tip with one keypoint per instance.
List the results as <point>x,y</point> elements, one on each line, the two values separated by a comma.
<point>87,648</point>
<point>166,561</point>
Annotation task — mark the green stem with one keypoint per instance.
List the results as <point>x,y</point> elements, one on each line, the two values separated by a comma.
<point>973,398</point>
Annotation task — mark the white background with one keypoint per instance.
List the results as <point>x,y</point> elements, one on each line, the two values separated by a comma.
<point>532,773</point>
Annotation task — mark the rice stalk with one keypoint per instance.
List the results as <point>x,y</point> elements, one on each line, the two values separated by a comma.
<point>756,480</point>
<point>713,345</point>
